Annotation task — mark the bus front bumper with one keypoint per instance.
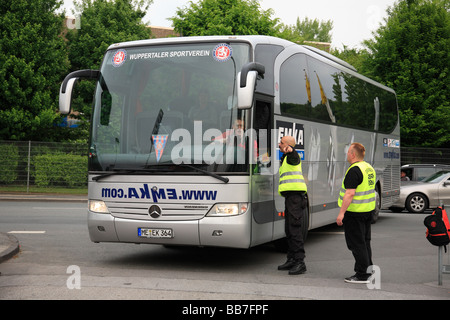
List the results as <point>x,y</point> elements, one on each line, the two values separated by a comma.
<point>233,231</point>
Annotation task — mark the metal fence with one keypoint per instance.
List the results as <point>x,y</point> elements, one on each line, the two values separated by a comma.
<point>415,155</point>
<point>43,164</point>
<point>50,164</point>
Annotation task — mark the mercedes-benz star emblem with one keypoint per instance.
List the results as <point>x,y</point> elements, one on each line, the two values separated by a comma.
<point>154,211</point>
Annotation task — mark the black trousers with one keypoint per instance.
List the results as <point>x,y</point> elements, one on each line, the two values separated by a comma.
<point>293,218</point>
<point>357,228</point>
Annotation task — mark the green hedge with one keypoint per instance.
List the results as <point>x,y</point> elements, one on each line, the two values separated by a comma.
<point>60,169</point>
<point>9,161</point>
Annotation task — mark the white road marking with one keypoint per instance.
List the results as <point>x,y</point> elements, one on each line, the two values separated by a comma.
<point>27,232</point>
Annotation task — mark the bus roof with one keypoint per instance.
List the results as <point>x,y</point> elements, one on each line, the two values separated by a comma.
<point>252,40</point>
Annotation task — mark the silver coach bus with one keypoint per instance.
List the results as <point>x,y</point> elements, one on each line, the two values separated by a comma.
<point>185,131</point>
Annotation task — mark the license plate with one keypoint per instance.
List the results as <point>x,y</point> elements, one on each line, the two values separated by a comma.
<point>155,233</point>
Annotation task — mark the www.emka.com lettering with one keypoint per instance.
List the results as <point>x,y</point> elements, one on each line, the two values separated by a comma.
<point>158,194</point>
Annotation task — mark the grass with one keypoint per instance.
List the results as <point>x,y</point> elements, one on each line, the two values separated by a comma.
<point>35,189</point>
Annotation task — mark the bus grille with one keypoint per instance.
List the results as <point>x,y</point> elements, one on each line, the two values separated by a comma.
<point>169,212</point>
<point>391,183</point>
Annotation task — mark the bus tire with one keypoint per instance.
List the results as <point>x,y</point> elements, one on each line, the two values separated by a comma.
<point>281,245</point>
<point>376,212</point>
<point>305,226</point>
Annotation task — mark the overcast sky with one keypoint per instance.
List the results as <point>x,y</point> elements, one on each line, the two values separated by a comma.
<point>353,20</point>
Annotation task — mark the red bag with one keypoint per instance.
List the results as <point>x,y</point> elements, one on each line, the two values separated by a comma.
<point>438,227</point>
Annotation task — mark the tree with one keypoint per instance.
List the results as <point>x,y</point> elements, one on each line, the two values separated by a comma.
<point>33,60</point>
<point>224,17</point>
<point>102,23</point>
<point>353,56</point>
<point>411,54</point>
<point>308,30</point>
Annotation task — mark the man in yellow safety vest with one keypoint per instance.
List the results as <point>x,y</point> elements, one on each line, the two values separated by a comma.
<point>357,200</point>
<point>292,187</point>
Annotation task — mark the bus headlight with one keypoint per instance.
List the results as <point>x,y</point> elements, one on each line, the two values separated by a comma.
<point>98,206</point>
<point>228,209</point>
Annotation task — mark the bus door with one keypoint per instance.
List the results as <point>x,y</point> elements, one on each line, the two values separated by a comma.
<point>261,182</point>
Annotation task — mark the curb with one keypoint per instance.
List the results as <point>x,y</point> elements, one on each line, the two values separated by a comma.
<point>9,246</point>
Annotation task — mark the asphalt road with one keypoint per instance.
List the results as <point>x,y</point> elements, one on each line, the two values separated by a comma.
<point>58,261</point>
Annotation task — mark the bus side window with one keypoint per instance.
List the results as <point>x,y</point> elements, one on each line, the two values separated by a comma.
<point>262,128</point>
<point>294,87</point>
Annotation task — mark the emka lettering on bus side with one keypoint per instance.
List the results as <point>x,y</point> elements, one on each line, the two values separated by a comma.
<point>291,129</point>
<point>295,130</point>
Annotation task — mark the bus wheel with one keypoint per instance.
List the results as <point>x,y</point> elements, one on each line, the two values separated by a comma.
<point>376,212</point>
<point>281,245</point>
<point>305,226</point>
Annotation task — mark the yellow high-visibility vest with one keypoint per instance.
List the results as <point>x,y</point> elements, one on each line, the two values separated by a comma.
<point>365,197</point>
<point>291,177</point>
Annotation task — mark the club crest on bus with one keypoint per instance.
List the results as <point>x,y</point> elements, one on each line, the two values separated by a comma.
<point>159,143</point>
<point>119,58</point>
<point>222,52</point>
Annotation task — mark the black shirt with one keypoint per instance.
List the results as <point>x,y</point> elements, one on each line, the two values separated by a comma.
<point>292,158</point>
<point>353,178</point>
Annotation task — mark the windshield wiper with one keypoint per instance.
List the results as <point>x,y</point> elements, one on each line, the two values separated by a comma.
<point>120,172</point>
<point>212,174</point>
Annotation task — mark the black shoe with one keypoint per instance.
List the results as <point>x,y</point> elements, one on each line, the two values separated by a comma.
<point>287,265</point>
<point>298,268</point>
<point>356,279</point>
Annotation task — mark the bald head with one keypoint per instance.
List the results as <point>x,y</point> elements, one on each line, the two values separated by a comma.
<point>287,144</point>
<point>289,140</point>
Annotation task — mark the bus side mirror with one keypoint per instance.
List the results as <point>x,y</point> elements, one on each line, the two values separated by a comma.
<point>246,83</point>
<point>65,91</point>
<point>245,94</point>
<point>65,98</point>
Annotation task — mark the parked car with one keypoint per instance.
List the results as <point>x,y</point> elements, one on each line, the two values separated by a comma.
<point>431,192</point>
<point>418,172</point>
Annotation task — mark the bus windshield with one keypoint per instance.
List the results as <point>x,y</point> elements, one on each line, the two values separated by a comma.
<point>170,108</point>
